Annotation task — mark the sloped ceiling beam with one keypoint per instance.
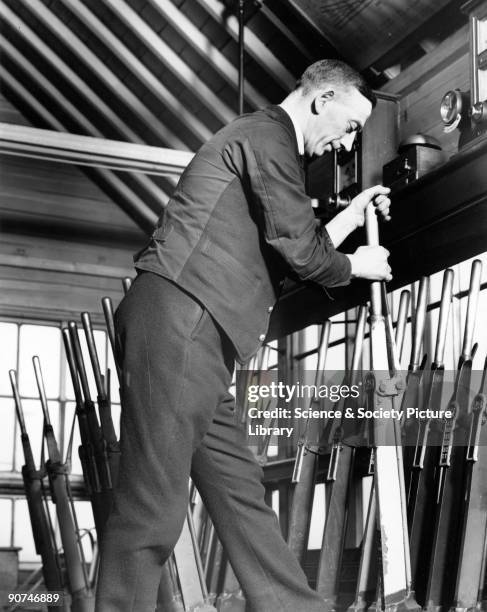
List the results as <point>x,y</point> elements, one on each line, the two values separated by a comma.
<point>200,43</point>
<point>107,76</point>
<point>40,80</point>
<point>171,60</point>
<point>83,88</point>
<point>253,45</point>
<point>285,31</point>
<point>129,201</point>
<point>10,135</point>
<point>85,91</point>
<point>36,77</point>
<point>25,95</point>
<point>158,89</point>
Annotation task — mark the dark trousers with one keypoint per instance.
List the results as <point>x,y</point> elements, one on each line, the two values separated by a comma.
<point>178,419</point>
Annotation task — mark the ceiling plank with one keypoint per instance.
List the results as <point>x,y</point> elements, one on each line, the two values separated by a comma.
<point>253,45</point>
<point>171,60</point>
<point>41,81</point>
<point>107,76</point>
<point>192,123</point>
<point>285,31</point>
<point>305,16</point>
<point>60,65</point>
<point>31,100</point>
<point>365,30</point>
<point>209,52</point>
<point>422,71</point>
<point>130,202</point>
<point>85,91</point>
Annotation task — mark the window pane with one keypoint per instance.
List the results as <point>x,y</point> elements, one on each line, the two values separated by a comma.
<point>407,345</point>
<point>7,435</point>
<point>366,354</point>
<point>114,385</point>
<point>335,360</point>
<point>8,355</point>
<point>68,424</point>
<point>311,342</point>
<point>116,418</point>
<point>51,507</point>
<point>84,515</point>
<point>5,522</point>
<point>337,330</point>
<point>43,341</point>
<point>317,518</point>
<point>101,348</point>
<point>23,532</point>
<point>275,501</point>
<point>100,344</point>
<point>23,529</point>
<point>86,524</point>
<point>34,422</point>
<point>480,336</point>
<point>435,285</point>
<point>433,318</point>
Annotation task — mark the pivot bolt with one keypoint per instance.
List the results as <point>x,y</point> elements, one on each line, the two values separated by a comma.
<point>400,384</point>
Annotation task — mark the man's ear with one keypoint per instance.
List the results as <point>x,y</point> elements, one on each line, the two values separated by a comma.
<point>320,100</point>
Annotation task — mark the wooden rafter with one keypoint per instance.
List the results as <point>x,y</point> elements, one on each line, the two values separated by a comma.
<point>365,31</point>
<point>24,94</point>
<point>20,137</point>
<point>133,205</point>
<point>253,45</point>
<point>107,76</point>
<point>46,85</point>
<point>84,90</point>
<point>171,60</point>
<point>158,89</point>
<point>73,79</point>
<point>211,54</point>
<point>285,31</point>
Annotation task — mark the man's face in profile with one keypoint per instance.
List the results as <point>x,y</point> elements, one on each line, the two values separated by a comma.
<point>338,115</point>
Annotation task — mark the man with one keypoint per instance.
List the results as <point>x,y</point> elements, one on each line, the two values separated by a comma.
<point>238,223</point>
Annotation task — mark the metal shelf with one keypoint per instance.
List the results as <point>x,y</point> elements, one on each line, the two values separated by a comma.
<point>438,221</point>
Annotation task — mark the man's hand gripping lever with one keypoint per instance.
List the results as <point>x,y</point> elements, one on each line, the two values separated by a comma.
<point>370,261</point>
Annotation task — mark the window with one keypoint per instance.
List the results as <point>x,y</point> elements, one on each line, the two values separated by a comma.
<point>21,340</point>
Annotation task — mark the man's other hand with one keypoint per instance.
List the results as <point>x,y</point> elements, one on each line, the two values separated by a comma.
<point>370,262</point>
<point>378,195</point>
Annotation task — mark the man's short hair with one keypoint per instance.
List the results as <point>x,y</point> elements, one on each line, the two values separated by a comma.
<point>335,72</point>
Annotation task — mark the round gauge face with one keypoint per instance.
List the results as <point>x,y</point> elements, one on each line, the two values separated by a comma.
<point>481,35</point>
<point>451,107</point>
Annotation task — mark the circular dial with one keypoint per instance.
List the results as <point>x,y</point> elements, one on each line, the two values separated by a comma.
<point>451,106</point>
